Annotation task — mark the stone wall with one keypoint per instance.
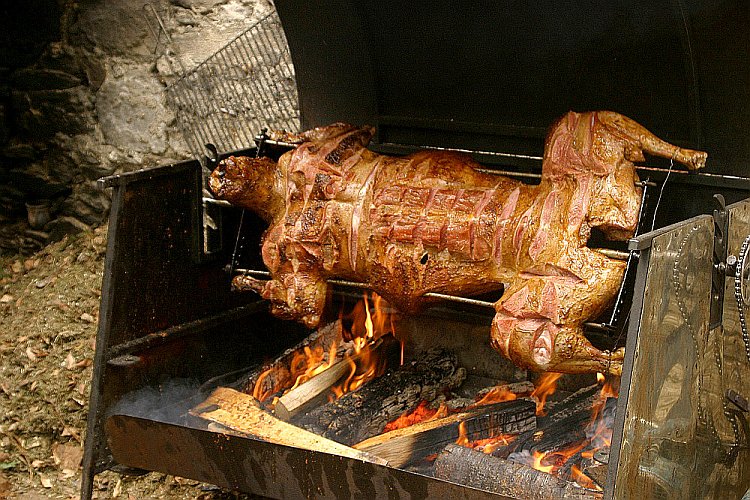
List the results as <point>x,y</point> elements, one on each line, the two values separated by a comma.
<point>82,95</point>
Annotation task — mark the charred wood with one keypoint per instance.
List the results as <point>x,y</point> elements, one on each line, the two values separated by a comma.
<point>276,375</point>
<point>365,412</point>
<point>414,443</point>
<point>315,391</point>
<point>580,401</point>
<point>485,472</point>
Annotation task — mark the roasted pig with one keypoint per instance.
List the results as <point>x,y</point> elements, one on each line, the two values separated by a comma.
<point>430,222</point>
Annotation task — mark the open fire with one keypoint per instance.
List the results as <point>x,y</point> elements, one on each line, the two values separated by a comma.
<point>355,357</point>
<point>349,383</point>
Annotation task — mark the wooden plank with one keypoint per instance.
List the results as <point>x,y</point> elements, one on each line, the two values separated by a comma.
<point>414,443</point>
<point>485,472</point>
<point>242,413</point>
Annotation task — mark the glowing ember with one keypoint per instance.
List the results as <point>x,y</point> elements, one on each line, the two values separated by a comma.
<point>546,386</point>
<point>487,445</point>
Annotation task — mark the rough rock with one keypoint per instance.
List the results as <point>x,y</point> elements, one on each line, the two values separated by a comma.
<point>126,30</point>
<point>202,6</point>
<point>43,79</point>
<point>43,113</point>
<point>132,112</point>
<point>58,228</point>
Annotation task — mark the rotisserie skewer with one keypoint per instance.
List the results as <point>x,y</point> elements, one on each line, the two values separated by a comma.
<point>432,223</point>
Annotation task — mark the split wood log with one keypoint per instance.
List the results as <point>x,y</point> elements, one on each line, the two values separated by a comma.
<point>414,443</point>
<point>365,412</point>
<point>313,392</point>
<point>276,375</point>
<point>523,387</point>
<point>242,413</point>
<point>485,472</point>
<point>580,401</point>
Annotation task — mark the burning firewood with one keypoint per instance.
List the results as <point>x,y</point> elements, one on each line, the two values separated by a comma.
<point>242,413</point>
<point>413,443</point>
<point>280,374</point>
<point>489,473</point>
<point>319,387</point>
<point>364,413</point>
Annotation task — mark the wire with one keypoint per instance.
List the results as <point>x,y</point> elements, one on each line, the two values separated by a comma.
<point>661,191</point>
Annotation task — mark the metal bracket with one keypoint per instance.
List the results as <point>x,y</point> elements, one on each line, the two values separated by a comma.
<point>738,400</point>
<point>722,266</point>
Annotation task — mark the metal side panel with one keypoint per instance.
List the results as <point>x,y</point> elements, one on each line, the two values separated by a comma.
<point>732,373</point>
<point>662,447</point>
<point>246,464</point>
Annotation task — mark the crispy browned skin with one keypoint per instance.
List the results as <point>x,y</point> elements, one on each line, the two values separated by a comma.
<point>429,222</point>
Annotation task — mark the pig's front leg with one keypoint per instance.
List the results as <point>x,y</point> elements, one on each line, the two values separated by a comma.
<point>298,295</point>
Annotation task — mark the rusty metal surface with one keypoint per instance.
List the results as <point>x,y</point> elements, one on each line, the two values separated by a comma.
<point>675,439</point>
<point>244,464</point>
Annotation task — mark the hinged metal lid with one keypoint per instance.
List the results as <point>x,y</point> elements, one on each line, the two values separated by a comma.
<point>492,76</point>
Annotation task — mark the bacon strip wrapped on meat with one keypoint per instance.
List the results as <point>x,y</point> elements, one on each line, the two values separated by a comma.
<point>430,222</point>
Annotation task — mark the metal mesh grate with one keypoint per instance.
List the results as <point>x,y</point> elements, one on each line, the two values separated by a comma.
<point>245,86</point>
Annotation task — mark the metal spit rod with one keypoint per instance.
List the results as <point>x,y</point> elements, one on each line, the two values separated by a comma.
<point>614,254</point>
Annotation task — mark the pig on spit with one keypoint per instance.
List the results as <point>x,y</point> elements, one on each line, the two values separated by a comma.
<point>430,222</point>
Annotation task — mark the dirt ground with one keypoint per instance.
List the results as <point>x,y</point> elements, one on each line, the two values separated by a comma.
<point>49,305</point>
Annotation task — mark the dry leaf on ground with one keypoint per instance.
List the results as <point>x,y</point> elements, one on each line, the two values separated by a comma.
<point>5,487</point>
<point>67,456</point>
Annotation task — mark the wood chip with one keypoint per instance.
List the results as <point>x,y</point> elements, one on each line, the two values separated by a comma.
<point>43,282</point>
<point>30,354</point>
<point>6,299</point>
<point>87,318</point>
<point>72,432</point>
<point>46,481</point>
<point>84,363</point>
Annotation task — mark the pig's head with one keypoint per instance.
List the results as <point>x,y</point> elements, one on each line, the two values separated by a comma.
<point>252,183</point>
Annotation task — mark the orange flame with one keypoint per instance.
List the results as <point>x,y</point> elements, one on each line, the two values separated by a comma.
<point>422,413</point>
<point>546,386</point>
<point>312,361</point>
<point>537,464</point>
<point>463,437</point>
<point>496,395</point>
<point>368,364</point>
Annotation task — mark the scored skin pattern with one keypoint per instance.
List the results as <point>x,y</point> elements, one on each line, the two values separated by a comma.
<point>430,222</point>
